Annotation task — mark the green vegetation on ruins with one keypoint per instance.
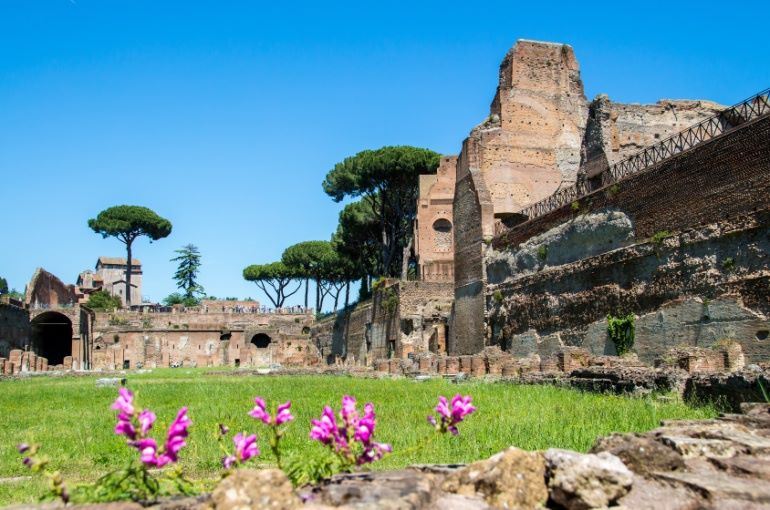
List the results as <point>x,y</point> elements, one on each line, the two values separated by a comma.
<point>71,418</point>
<point>102,300</point>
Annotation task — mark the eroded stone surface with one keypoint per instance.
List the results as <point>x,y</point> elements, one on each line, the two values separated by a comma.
<point>582,481</point>
<point>247,489</point>
<point>512,479</point>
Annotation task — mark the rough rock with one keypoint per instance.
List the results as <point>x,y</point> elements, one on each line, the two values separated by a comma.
<point>512,479</point>
<point>642,455</point>
<point>247,489</point>
<point>405,489</point>
<point>581,481</point>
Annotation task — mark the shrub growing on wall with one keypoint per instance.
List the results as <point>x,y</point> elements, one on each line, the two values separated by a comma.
<point>621,332</point>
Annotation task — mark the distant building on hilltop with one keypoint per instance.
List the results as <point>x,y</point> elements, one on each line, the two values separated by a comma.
<point>110,276</point>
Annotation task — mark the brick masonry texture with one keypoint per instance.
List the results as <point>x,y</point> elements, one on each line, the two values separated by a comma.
<point>403,318</point>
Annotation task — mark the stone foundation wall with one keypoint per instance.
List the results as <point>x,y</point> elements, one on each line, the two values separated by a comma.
<point>696,288</point>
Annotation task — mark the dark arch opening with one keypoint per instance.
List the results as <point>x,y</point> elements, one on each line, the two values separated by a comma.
<point>510,220</point>
<point>442,225</point>
<point>261,340</point>
<point>52,337</point>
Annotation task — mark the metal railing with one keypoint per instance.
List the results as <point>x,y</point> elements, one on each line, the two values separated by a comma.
<point>726,120</point>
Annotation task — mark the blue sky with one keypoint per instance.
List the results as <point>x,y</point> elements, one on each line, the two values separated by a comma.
<point>225,116</point>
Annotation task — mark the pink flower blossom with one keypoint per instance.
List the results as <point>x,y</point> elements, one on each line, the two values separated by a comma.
<point>146,419</point>
<point>282,415</point>
<point>246,446</point>
<point>177,432</point>
<point>125,428</point>
<point>324,430</point>
<point>450,414</point>
<point>352,438</point>
<point>259,412</point>
<point>125,402</point>
<point>245,449</point>
<point>135,427</point>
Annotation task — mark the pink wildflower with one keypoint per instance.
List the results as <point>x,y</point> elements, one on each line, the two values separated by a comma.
<point>125,428</point>
<point>324,429</point>
<point>450,414</point>
<point>283,413</point>
<point>177,432</point>
<point>352,429</point>
<point>259,412</point>
<point>146,419</point>
<point>125,402</point>
<point>245,449</point>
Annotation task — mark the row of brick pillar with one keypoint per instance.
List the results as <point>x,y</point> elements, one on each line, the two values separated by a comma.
<point>478,365</point>
<point>19,361</point>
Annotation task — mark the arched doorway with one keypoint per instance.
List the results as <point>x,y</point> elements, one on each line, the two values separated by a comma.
<point>52,337</point>
<point>261,340</point>
<point>442,235</point>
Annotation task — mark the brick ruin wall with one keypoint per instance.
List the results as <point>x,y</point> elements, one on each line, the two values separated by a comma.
<point>527,148</point>
<point>136,340</point>
<point>701,279</point>
<point>615,131</point>
<point>14,337</point>
<point>401,319</point>
<point>46,289</point>
<point>433,227</point>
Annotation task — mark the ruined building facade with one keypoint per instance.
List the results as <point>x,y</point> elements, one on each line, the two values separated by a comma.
<point>52,330</point>
<point>434,227</point>
<point>559,223</point>
<point>110,276</point>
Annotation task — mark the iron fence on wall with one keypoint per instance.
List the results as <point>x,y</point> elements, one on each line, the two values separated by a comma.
<point>723,122</point>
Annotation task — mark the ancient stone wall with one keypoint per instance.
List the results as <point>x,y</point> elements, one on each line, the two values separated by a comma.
<point>402,319</point>
<point>14,334</point>
<point>48,291</point>
<point>134,339</point>
<point>697,287</point>
<point>724,177</point>
<point>434,230</point>
<point>527,148</point>
<point>616,131</point>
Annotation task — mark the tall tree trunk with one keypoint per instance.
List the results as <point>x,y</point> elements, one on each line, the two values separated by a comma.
<point>317,296</point>
<point>307,284</point>
<point>128,275</point>
<point>347,294</point>
<point>405,260</point>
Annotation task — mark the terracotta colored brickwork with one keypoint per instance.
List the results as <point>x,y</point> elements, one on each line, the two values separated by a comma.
<point>616,131</point>
<point>135,340</point>
<point>434,231</point>
<point>730,174</point>
<point>404,319</point>
<point>526,149</point>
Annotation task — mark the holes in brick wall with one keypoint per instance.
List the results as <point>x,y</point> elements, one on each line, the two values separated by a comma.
<point>762,334</point>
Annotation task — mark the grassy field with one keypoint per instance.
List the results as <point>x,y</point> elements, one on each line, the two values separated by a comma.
<point>71,418</point>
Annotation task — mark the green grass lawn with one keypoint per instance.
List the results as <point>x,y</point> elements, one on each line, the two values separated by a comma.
<point>72,419</point>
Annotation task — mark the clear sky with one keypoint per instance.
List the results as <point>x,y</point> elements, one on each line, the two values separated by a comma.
<point>225,116</point>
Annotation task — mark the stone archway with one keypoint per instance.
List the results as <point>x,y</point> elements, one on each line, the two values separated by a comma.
<point>261,340</point>
<point>442,235</point>
<point>52,337</point>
